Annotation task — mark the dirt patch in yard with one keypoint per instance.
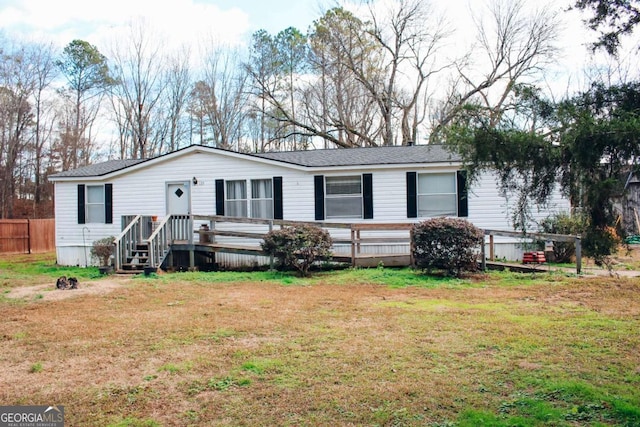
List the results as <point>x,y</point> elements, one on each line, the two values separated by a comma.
<point>49,292</point>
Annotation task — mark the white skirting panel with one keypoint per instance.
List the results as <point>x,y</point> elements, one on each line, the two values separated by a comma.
<point>79,256</point>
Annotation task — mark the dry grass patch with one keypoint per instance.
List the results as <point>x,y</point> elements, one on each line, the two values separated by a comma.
<point>332,350</point>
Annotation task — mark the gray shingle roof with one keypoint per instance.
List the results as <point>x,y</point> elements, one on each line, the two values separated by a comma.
<point>98,169</point>
<point>368,156</point>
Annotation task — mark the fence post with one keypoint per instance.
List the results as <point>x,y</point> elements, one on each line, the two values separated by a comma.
<point>271,266</point>
<point>578,244</point>
<point>353,247</point>
<point>190,229</point>
<point>483,254</point>
<point>28,236</point>
<point>492,254</point>
<point>412,261</point>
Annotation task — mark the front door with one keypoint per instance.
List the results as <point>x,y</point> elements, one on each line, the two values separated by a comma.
<point>178,198</point>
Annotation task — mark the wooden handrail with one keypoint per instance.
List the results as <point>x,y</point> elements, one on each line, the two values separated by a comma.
<point>354,238</point>
<point>535,235</point>
<point>577,240</point>
<point>132,233</point>
<point>128,227</point>
<point>159,228</point>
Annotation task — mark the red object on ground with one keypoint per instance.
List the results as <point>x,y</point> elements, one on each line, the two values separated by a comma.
<point>533,257</point>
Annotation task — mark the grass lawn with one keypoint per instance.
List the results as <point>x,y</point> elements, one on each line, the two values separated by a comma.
<point>377,347</point>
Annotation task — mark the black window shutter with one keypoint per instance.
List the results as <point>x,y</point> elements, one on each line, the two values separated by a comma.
<point>108,203</point>
<point>81,212</point>
<point>318,186</point>
<point>220,197</point>
<point>412,195</point>
<point>463,199</point>
<point>277,198</point>
<point>367,195</point>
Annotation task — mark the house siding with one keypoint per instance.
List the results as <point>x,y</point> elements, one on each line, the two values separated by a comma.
<point>142,191</point>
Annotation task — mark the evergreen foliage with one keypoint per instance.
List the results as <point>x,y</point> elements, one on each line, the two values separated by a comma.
<point>612,19</point>
<point>587,144</point>
<point>564,223</point>
<point>298,247</point>
<point>448,244</point>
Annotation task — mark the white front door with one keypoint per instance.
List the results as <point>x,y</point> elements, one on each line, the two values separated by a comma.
<point>178,198</point>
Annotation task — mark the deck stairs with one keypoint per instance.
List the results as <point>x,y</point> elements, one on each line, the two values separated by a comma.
<point>137,259</point>
<point>138,247</point>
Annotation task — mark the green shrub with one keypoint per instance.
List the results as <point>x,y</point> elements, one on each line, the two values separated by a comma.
<point>298,246</point>
<point>600,243</point>
<point>448,244</point>
<point>564,223</point>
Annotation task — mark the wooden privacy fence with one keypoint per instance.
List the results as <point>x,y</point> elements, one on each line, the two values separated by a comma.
<point>25,236</point>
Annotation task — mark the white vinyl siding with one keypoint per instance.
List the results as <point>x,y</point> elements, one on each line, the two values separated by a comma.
<point>142,190</point>
<point>343,196</point>
<point>94,204</point>
<point>236,198</point>
<point>437,194</point>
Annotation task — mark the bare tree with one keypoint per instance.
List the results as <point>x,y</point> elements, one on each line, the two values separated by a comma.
<point>43,59</point>
<point>138,69</point>
<point>178,86</point>
<point>337,103</point>
<point>219,98</point>
<point>409,38</point>
<point>17,84</point>
<point>512,48</point>
<point>369,78</point>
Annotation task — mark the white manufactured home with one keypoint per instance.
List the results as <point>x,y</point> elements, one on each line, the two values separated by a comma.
<point>171,197</point>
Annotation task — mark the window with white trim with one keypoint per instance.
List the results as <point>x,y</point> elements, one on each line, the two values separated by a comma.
<point>259,205</point>
<point>343,197</point>
<point>437,194</point>
<point>261,198</point>
<point>94,204</point>
<point>235,203</point>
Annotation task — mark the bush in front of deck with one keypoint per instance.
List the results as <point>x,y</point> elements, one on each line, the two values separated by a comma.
<point>298,247</point>
<point>563,223</point>
<point>446,244</point>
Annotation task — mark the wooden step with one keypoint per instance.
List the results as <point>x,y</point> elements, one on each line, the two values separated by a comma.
<point>134,266</point>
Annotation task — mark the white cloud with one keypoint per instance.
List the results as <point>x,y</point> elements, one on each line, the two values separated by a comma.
<point>181,21</point>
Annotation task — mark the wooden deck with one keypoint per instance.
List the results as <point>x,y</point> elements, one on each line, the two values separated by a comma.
<point>358,244</point>
<point>361,260</point>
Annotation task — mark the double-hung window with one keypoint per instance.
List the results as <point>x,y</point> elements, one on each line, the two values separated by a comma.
<point>236,198</point>
<point>258,205</point>
<point>437,194</point>
<point>94,204</point>
<point>343,196</point>
<point>261,198</point>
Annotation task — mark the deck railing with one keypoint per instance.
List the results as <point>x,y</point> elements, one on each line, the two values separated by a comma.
<point>352,241</point>
<point>172,229</point>
<point>576,240</point>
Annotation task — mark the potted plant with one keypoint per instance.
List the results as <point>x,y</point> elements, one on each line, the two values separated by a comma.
<point>102,249</point>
